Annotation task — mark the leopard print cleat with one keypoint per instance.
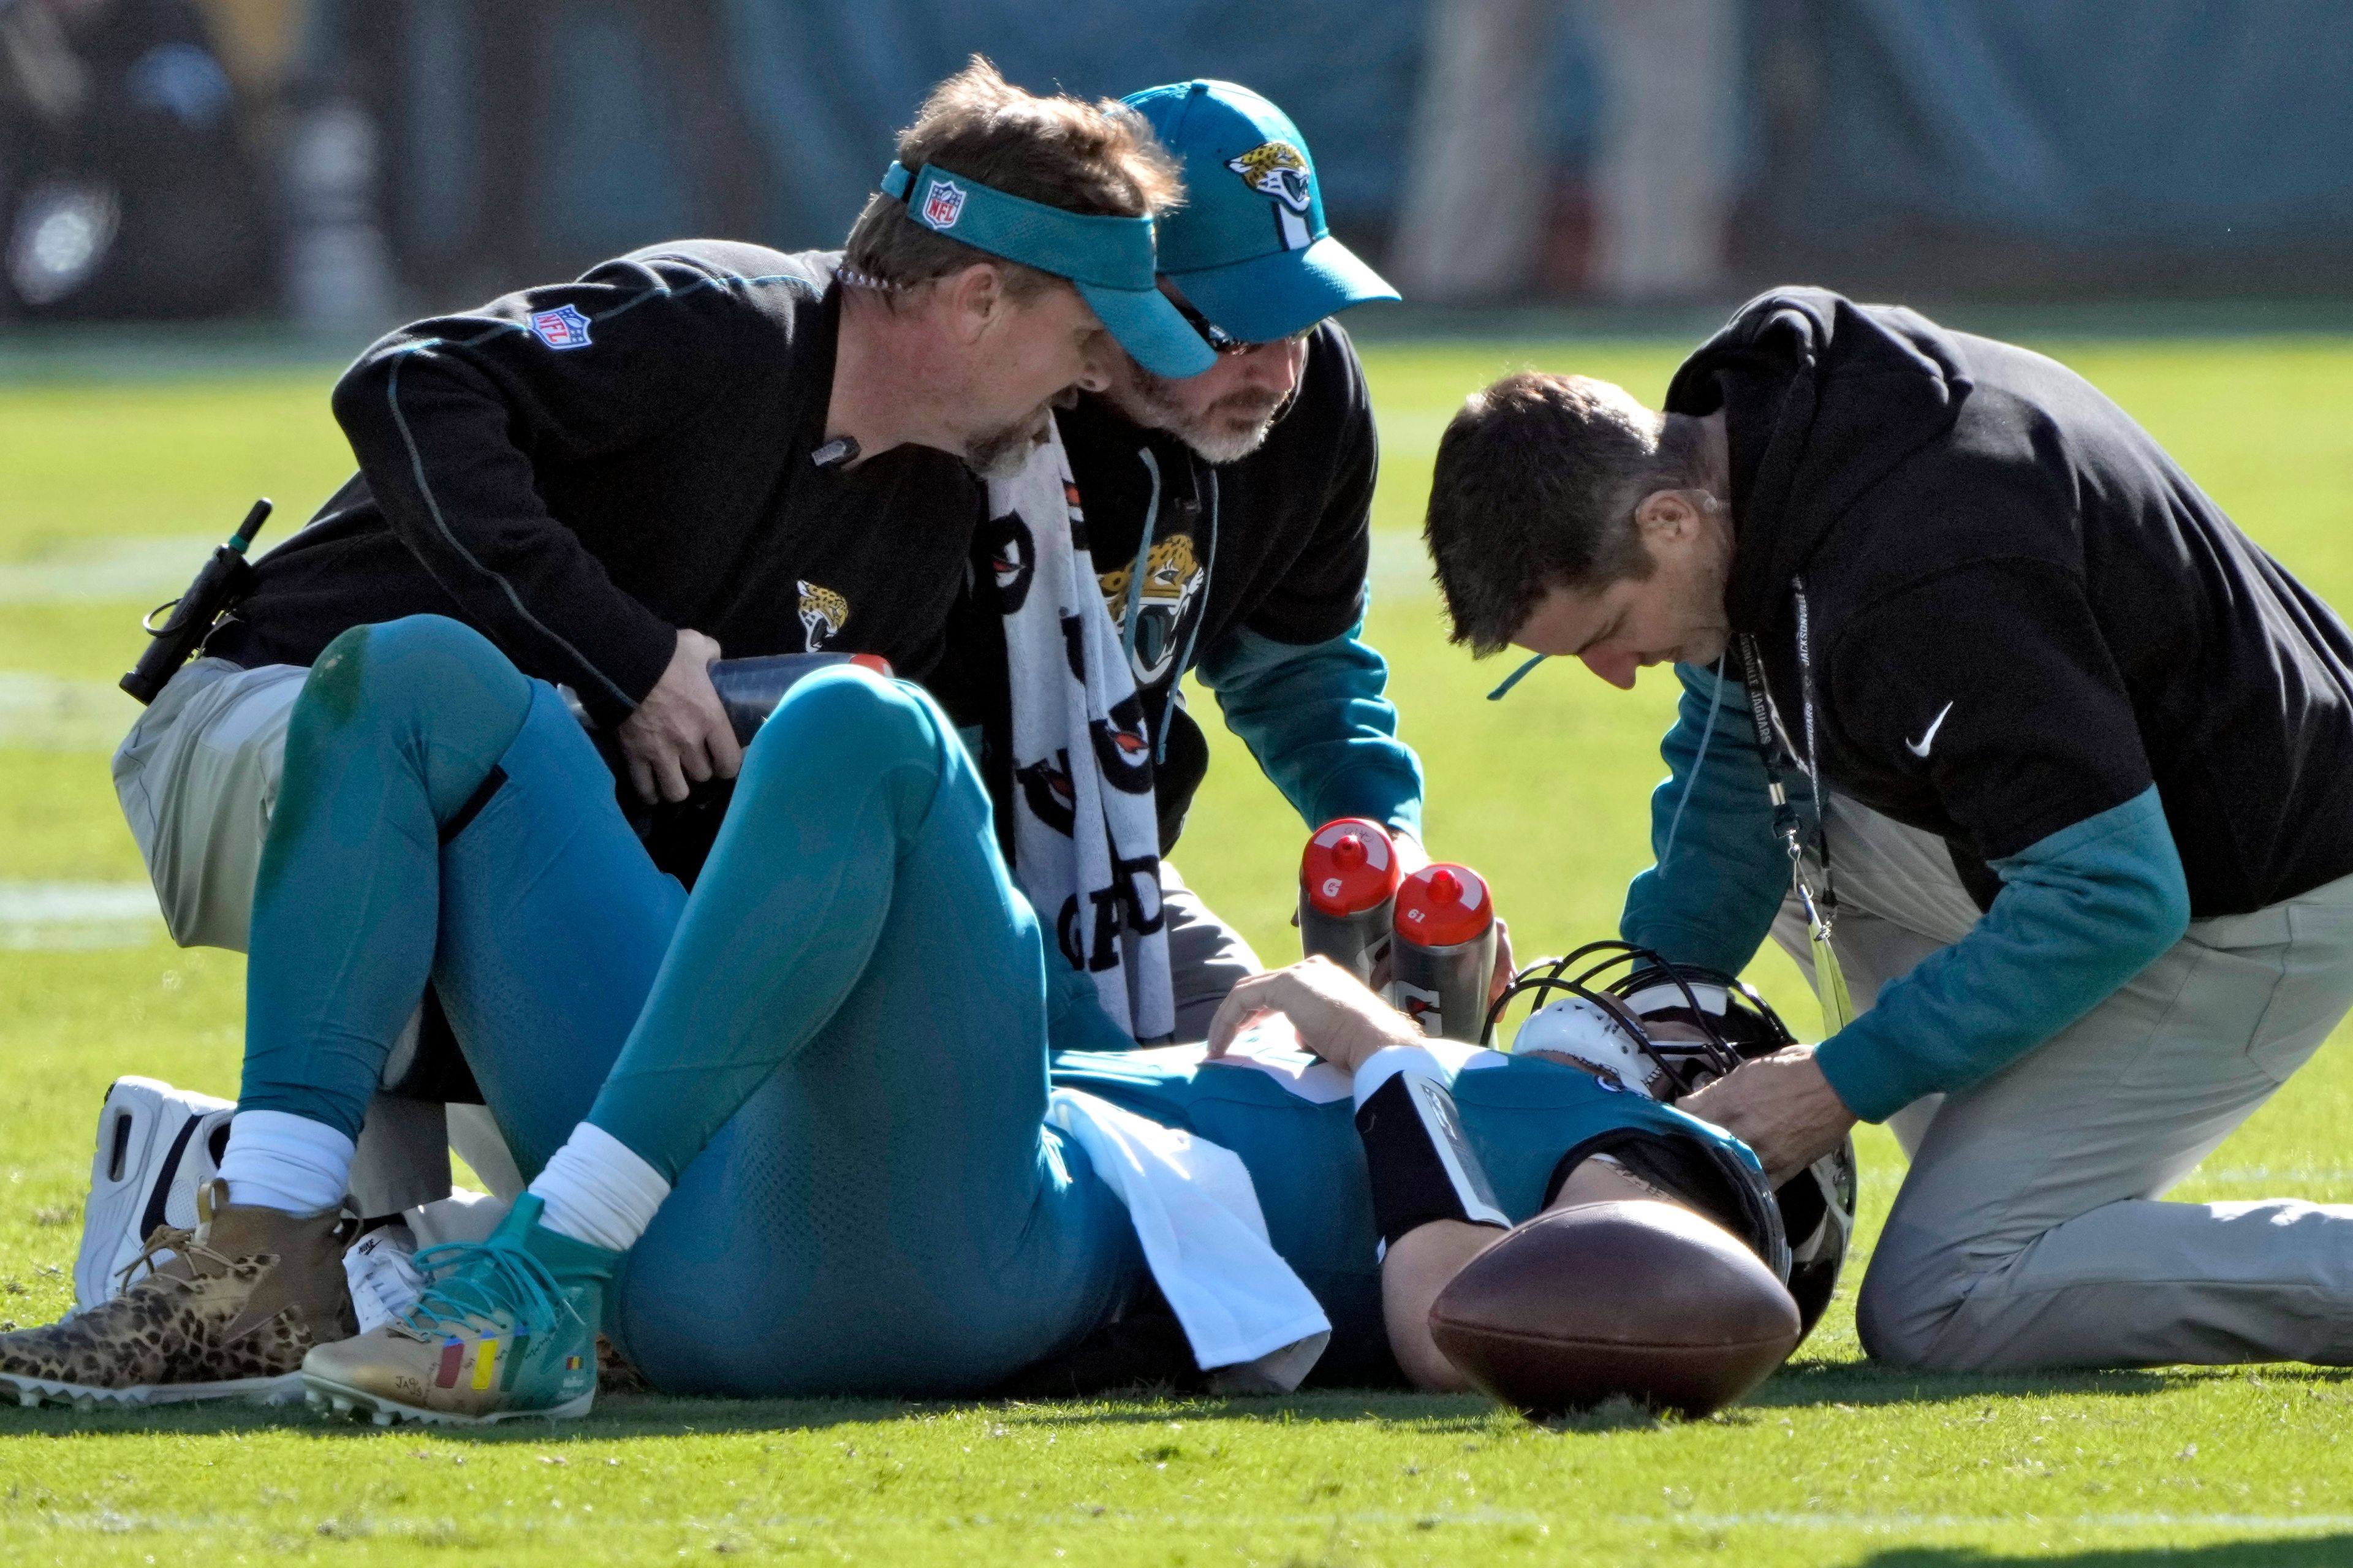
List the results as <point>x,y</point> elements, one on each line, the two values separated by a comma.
<point>224,1311</point>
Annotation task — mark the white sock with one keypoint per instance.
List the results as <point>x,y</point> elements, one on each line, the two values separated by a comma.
<point>598,1190</point>
<point>281,1161</point>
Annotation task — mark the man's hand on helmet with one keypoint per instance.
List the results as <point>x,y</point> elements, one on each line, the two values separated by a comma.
<point>1779,1105</point>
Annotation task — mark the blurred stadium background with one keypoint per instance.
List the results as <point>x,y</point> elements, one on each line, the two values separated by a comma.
<point>207,206</point>
<point>341,164</point>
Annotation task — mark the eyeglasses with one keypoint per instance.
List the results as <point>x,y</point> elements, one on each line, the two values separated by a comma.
<point>1223,342</point>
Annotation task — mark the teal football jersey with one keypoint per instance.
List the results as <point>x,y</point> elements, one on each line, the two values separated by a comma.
<point>1291,1118</point>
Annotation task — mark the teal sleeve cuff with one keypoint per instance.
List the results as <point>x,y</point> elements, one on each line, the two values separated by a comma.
<point>1318,718</point>
<point>1718,872</point>
<point>2080,913</point>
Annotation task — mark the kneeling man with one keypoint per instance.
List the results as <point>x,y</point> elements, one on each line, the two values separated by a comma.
<point>2077,763</point>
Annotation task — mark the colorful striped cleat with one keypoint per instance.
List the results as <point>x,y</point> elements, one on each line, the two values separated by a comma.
<point>506,1327</point>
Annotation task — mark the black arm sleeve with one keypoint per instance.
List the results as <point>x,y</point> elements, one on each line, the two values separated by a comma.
<point>1994,681</point>
<point>1321,595</point>
<point>448,416</point>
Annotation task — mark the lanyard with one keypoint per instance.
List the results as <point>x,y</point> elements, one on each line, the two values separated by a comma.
<point>1830,981</point>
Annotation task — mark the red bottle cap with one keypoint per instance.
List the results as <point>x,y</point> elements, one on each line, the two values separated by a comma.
<point>1442,905</point>
<point>1350,867</point>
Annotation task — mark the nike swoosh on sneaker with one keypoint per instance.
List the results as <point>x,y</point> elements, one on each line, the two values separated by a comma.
<point>1919,748</point>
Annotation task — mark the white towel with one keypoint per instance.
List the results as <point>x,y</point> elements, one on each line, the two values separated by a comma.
<point>1086,829</point>
<point>1252,1325</point>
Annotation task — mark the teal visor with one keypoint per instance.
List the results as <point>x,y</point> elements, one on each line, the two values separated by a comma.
<point>1108,260</point>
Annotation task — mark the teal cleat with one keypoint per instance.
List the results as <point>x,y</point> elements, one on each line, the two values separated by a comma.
<point>506,1327</point>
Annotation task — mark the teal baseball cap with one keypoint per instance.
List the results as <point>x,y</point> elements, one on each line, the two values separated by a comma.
<point>1108,260</point>
<point>1248,247</point>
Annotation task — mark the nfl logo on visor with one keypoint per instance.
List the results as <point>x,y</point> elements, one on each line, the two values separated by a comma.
<point>943,203</point>
<point>564,328</point>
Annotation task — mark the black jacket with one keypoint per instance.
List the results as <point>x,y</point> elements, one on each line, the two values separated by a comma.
<point>579,470</point>
<point>2021,612</point>
<point>1277,543</point>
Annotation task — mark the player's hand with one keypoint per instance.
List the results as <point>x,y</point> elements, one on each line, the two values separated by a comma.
<point>680,735</point>
<point>1779,1105</point>
<point>1336,1017</point>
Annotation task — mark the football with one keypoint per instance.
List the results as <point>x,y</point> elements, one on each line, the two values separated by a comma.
<point>1638,1298</point>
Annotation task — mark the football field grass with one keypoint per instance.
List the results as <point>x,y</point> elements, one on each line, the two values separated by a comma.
<point>112,487</point>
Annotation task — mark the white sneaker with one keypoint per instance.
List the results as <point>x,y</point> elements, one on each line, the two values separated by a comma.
<point>156,1145</point>
<point>382,1270</point>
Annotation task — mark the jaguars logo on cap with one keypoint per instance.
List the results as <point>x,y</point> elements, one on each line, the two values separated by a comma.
<point>1280,170</point>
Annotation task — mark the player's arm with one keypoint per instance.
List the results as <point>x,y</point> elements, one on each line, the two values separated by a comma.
<point>2036,754</point>
<point>1075,1019</point>
<point>1296,681</point>
<point>1718,871</point>
<point>1430,1198</point>
<point>448,416</point>
<point>1421,1264</point>
<point>1318,718</point>
<point>2039,758</point>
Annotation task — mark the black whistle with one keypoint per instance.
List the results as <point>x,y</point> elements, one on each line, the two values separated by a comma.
<point>224,582</point>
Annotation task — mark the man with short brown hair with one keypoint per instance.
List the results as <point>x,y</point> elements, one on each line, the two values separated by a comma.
<point>1084,158</point>
<point>2074,753</point>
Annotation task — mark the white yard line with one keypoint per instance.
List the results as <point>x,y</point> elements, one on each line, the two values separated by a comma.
<point>1905,1523</point>
<point>47,713</point>
<point>143,572</point>
<point>77,916</point>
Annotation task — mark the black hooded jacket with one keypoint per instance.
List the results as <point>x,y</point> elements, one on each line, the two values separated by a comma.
<point>577,470</point>
<point>2020,612</point>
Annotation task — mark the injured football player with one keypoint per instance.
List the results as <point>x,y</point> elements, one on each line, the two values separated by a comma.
<point>832,1125</point>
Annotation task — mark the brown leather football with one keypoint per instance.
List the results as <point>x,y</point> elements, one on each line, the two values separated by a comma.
<point>1636,1298</point>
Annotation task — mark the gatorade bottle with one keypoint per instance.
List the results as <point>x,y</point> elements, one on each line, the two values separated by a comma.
<point>1347,887</point>
<point>680,833</point>
<point>750,689</point>
<point>1445,950</point>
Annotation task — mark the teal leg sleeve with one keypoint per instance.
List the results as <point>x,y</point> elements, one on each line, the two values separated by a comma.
<point>553,925</point>
<point>398,727</point>
<point>443,818</point>
<point>852,1018</point>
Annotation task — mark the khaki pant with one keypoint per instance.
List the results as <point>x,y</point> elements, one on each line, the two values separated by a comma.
<point>2026,1232</point>
<point>1206,956</point>
<point>197,777</point>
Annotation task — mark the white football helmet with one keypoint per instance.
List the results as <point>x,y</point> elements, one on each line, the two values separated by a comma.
<point>1590,1031</point>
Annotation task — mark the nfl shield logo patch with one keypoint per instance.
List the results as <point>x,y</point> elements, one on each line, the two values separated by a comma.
<point>562,328</point>
<point>943,203</point>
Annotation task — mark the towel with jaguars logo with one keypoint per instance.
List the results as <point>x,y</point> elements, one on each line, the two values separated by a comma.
<point>1086,833</point>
